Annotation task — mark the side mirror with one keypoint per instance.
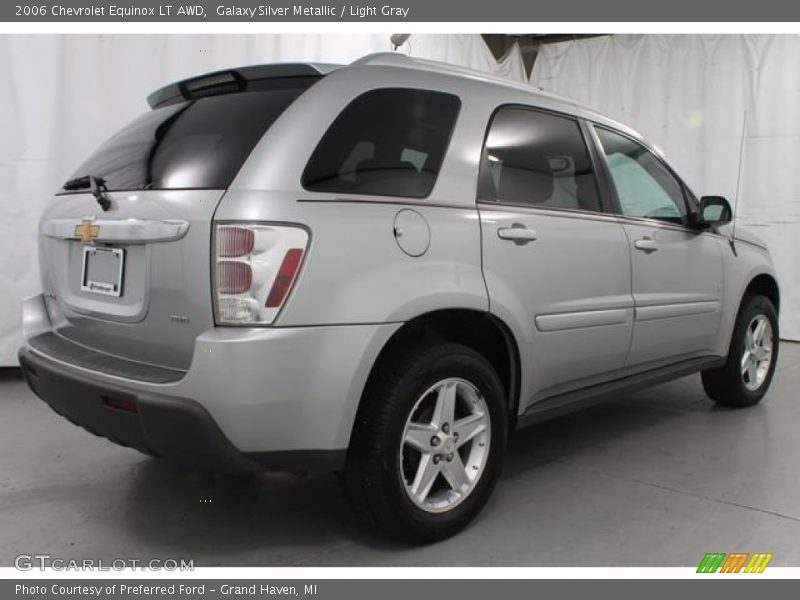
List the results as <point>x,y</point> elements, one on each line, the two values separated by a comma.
<point>713,212</point>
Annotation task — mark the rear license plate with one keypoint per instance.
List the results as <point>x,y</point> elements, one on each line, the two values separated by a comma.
<point>102,270</point>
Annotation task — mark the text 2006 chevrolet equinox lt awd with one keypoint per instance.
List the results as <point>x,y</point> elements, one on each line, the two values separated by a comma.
<point>381,270</point>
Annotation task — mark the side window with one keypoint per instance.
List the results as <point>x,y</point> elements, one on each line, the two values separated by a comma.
<point>387,142</point>
<point>534,158</point>
<point>645,187</point>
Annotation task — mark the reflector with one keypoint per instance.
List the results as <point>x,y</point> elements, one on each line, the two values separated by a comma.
<point>285,278</point>
<point>126,404</point>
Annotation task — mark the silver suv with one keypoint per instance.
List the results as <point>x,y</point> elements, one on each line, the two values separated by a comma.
<point>381,270</point>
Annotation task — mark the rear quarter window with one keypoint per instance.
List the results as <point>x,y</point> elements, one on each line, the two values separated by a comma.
<point>387,142</point>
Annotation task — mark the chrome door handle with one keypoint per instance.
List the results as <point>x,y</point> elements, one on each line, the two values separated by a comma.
<point>519,235</point>
<point>645,244</point>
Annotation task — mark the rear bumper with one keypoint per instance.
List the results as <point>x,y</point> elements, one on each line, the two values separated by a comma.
<point>175,428</point>
<point>280,399</point>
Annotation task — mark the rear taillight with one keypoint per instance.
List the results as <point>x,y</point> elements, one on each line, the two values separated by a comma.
<point>234,241</point>
<point>255,268</point>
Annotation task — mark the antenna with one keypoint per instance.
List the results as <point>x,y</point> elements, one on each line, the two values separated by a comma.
<point>738,183</point>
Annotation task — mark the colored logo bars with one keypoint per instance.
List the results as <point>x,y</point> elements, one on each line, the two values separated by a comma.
<point>736,562</point>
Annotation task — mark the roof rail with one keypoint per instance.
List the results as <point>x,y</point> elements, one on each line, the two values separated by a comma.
<point>233,80</point>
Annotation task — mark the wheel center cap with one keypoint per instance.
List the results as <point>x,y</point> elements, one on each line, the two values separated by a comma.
<point>449,446</point>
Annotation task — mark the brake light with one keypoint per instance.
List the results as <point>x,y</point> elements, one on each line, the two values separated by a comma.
<point>234,241</point>
<point>256,266</point>
<point>233,277</point>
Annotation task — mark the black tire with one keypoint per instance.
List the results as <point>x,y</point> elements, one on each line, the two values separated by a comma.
<point>372,478</point>
<point>726,384</point>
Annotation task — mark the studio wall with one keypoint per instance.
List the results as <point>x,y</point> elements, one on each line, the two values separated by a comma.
<point>688,95</point>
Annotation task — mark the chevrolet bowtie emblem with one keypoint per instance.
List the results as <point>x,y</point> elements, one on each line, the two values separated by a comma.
<point>87,231</point>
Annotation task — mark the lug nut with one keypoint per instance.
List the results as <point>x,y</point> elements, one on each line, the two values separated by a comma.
<point>455,435</point>
<point>446,428</point>
<point>436,459</point>
<point>435,441</point>
<point>449,457</point>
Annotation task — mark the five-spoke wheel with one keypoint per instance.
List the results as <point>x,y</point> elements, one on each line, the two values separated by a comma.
<point>429,441</point>
<point>752,356</point>
<point>757,355</point>
<point>445,444</point>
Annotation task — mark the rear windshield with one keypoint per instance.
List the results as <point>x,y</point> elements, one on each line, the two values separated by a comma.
<point>195,144</point>
<point>387,142</point>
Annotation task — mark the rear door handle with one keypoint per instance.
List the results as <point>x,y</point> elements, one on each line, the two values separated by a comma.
<point>645,244</point>
<point>518,234</point>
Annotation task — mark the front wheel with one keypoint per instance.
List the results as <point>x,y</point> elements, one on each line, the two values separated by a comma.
<point>429,442</point>
<point>753,354</point>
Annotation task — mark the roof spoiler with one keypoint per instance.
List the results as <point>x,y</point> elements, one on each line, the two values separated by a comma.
<point>232,80</point>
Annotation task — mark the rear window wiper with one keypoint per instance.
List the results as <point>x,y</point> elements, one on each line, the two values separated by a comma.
<point>97,185</point>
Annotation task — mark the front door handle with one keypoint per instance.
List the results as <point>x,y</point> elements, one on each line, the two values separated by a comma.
<point>645,244</point>
<point>519,234</point>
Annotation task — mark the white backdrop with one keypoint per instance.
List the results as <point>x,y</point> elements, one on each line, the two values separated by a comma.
<point>60,96</point>
<point>688,94</point>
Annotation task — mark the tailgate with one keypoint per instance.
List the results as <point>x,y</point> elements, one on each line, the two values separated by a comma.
<point>137,285</point>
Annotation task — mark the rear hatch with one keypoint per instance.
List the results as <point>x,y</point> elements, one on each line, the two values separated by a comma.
<point>134,281</point>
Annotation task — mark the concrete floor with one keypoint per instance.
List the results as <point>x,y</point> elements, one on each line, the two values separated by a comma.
<point>658,478</point>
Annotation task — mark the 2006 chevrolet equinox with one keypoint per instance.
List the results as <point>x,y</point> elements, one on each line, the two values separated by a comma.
<point>381,270</point>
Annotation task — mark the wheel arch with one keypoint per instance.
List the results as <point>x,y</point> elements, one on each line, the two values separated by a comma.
<point>764,284</point>
<point>480,330</point>
<point>761,283</point>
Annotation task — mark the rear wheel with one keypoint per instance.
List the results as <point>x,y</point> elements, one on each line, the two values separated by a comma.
<point>429,441</point>
<point>753,354</point>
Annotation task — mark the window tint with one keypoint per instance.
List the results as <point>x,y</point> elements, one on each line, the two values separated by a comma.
<point>645,187</point>
<point>388,142</point>
<point>537,159</point>
<point>196,144</point>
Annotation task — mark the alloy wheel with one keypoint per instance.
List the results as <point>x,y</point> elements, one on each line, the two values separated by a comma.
<point>757,355</point>
<point>445,445</point>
